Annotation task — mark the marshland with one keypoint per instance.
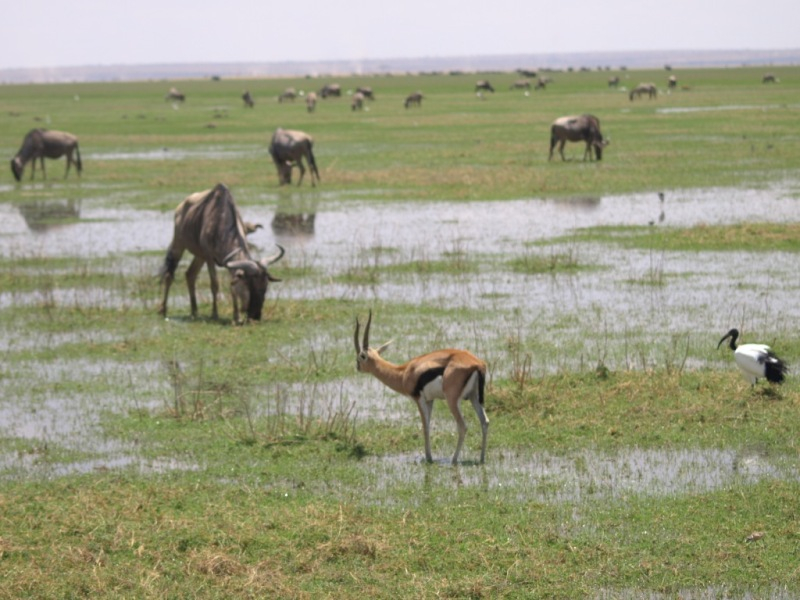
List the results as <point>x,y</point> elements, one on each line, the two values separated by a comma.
<point>627,457</point>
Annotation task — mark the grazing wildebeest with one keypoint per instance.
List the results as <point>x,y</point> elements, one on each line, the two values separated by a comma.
<point>644,88</point>
<point>248,99</point>
<point>482,84</point>
<point>288,148</point>
<point>613,81</point>
<point>209,226</point>
<point>672,82</point>
<point>414,98</point>
<point>311,101</point>
<point>331,89</point>
<point>357,102</point>
<point>541,83</point>
<point>289,94</point>
<point>584,128</point>
<point>367,91</point>
<point>46,143</point>
<point>174,95</point>
<point>520,84</point>
<point>769,78</point>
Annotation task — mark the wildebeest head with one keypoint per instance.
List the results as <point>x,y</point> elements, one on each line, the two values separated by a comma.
<point>249,282</point>
<point>598,141</point>
<point>598,147</point>
<point>285,173</point>
<point>16,168</point>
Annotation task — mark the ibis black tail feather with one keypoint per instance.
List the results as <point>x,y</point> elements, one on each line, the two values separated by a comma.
<point>775,370</point>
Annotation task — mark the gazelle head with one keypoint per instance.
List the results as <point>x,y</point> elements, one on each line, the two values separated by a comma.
<point>366,356</point>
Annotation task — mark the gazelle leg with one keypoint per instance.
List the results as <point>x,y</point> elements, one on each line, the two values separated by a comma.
<point>460,424</point>
<point>425,412</point>
<point>484,423</point>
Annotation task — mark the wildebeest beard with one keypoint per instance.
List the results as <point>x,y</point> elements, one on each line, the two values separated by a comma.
<point>16,168</point>
<point>258,292</point>
<point>598,151</point>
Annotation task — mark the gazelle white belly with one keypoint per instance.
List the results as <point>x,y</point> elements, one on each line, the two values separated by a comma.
<point>433,390</point>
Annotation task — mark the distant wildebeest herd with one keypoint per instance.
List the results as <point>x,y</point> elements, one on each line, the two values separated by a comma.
<point>43,143</point>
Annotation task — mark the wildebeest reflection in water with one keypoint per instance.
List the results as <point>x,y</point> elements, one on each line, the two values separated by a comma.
<point>42,215</point>
<point>293,224</point>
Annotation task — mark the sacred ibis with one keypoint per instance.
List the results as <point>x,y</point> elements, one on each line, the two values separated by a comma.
<point>755,360</point>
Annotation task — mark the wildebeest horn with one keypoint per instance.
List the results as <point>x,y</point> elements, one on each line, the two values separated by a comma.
<point>250,267</point>
<point>274,258</point>
<point>228,256</point>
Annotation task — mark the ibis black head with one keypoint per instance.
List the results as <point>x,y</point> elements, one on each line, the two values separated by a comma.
<point>733,334</point>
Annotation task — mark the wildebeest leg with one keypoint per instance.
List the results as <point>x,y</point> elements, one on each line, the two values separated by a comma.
<point>33,166</point>
<point>191,280</point>
<point>286,173</point>
<point>69,162</point>
<point>302,170</point>
<point>561,148</point>
<point>212,274</point>
<point>168,275</point>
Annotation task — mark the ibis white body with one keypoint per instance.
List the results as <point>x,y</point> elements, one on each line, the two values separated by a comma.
<point>753,360</point>
<point>756,361</point>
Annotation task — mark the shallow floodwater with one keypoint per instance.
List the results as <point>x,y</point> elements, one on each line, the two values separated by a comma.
<point>585,475</point>
<point>634,294</point>
<point>340,229</point>
<point>626,290</point>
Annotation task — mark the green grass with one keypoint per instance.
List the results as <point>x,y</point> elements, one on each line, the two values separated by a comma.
<point>455,147</point>
<point>191,458</point>
<point>749,237</point>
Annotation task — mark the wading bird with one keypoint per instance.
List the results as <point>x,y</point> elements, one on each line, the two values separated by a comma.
<point>450,374</point>
<point>755,360</point>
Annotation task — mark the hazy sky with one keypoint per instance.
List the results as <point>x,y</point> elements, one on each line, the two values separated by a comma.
<point>46,33</point>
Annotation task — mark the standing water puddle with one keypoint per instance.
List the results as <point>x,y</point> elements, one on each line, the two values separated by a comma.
<point>585,475</point>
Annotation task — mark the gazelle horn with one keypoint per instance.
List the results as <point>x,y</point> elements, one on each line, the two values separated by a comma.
<point>366,330</point>
<point>355,338</point>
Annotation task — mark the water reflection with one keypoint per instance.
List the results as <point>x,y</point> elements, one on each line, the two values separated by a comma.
<point>42,215</point>
<point>295,218</point>
<point>585,203</point>
<point>299,225</point>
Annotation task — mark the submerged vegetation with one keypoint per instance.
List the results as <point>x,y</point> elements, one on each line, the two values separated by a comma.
<point>143,457</point>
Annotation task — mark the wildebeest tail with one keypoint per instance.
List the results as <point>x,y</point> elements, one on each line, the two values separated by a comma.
<point>78,163</point>
<point>311,162</point>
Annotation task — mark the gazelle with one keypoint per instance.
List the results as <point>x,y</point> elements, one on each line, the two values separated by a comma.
<point>450,374</point>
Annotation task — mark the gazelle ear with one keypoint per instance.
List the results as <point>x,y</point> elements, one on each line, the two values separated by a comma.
<point>383,347</point>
